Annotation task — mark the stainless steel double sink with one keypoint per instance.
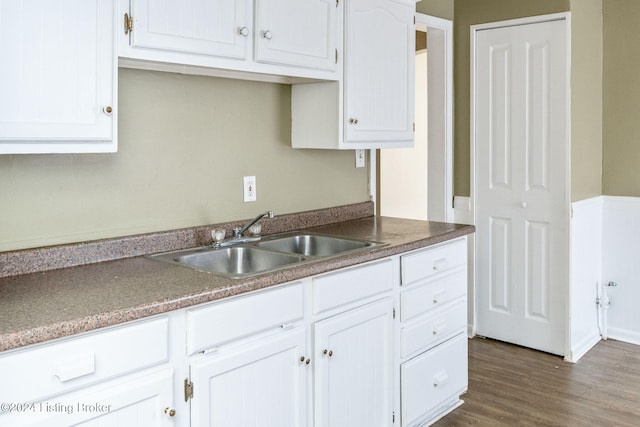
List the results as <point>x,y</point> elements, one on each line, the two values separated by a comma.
<point>267,255</point>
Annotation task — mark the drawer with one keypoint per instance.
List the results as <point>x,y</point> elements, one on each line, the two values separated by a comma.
<point>340,288</point>
<point>433,329</point>
<point>433,381</point>
<point>419,300</point>
<point>49,369</point>
<point>238,317</point>
<point>429,262</point>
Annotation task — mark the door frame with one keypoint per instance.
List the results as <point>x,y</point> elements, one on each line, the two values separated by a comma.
<point>565,16</point>
<point>440,201</point>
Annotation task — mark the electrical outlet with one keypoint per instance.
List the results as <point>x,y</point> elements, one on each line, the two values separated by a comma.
<point>360,158</point>
<point>249,188</point>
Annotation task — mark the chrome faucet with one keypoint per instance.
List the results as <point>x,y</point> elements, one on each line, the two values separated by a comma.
<point>239,231</point>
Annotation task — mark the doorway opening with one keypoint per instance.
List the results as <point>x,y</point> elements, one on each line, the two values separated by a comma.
<point>417,183</point>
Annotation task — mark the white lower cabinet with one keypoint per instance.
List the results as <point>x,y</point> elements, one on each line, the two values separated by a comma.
<point>433,340</point>
<point>262,383</point>
<point>433,381</point>
<point>144,401</point>
<point>380,344</point>
<point>353,356</point>
<point>119,376</point>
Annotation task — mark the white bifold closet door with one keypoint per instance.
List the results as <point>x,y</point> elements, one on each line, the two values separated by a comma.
<point>521,183</point>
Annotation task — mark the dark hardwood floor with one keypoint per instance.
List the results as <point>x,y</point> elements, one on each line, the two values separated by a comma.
<point>515,386</point>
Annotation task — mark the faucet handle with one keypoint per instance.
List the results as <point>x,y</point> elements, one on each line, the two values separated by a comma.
<point>218,234</point>
<point>236,231</point>
<point>270,214</point>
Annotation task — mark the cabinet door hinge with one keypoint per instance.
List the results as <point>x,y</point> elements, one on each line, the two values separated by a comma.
<point>337,2</point>
<point>394,312</point>
<point>336,55</point>
<point>188,390</point>
<point>128,23</point>
<point>414,126</point>
<point>393,417</point>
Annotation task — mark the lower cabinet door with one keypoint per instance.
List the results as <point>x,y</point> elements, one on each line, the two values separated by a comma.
<point>352,370</point>
<point>262,384</point>
<point>145,401</point>
<point>432,382</point>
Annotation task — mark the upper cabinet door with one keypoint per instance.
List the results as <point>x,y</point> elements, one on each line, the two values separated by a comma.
<point>379,73</point>
<point>204,27</point>
<point>301,33</point>
<point>57,76</point>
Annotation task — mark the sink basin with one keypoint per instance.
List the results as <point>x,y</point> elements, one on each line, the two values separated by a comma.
<point>234,261</point>
<point>314,244</point>
<point>272,253</point>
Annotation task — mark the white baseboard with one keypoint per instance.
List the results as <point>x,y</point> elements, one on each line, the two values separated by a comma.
<point>581,348</point>
<point>624,335</point>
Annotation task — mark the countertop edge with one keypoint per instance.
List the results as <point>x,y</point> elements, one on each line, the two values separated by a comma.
<point>53,331</point>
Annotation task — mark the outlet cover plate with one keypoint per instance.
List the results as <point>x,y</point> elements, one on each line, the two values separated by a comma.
<point>360,162</point>
<point>249,188</point>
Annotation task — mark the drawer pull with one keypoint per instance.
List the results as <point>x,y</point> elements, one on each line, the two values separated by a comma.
<point>440,264</point>
<point>80,366</point>
<point>440,380</point>
<point>439,328</point>
<point>439,297</point>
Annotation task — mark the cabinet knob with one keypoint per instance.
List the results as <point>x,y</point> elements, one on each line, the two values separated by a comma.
<point>524,205</point>
<point>353,121</point>
<point>244,31</point>
<point>306,362</point>
<point>328,352</point>
<point>267,34</point>
<point>170,412</point>
<point>107,110</point>
<point>440,264</point>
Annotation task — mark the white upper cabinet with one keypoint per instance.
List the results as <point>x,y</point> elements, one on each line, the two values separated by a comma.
<point>379,72</point>
<point>293,38</point>
<point>212,27</point>
<point>297,32</point>
<point>373,106</point>
<point>57,76</point>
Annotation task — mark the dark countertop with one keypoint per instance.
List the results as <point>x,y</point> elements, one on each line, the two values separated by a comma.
<point>41,306</point>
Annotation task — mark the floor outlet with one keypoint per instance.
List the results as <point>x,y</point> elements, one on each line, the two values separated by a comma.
<point>249,188</point>
<point>359,158</point>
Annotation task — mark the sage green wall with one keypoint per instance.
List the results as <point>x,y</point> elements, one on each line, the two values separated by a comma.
<point>467,13</point>
<point>586,99</point>
<point>621,118</point>
<point>185,143</point>
<point>439,8</point>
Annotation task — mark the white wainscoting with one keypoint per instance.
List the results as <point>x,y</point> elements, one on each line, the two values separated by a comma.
<point>586,273</point>
<point>605,247</point>
<point>621,264</point>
